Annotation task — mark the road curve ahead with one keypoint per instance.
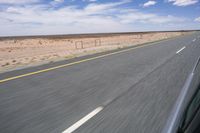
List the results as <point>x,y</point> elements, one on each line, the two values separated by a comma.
<point>129,90</point>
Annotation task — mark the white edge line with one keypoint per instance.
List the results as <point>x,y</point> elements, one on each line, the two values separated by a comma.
<point>194,40</point>
<point>83,120</point>
<point>180,50</point>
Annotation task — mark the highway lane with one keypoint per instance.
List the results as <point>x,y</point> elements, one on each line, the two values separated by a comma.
<point>136,90</point>
<point>129,114</point>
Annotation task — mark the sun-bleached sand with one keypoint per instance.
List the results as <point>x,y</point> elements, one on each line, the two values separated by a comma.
<point>20,52</point>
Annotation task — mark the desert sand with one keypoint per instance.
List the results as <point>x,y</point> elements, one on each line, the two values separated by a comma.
<point>20,52</point>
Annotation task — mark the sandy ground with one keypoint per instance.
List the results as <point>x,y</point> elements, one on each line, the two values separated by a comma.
<point>18,53</point>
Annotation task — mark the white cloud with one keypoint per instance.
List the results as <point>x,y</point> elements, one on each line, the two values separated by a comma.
<point>18,1</point>
<point>183,2</point>
<point>100,8</point>
<point>107,17</point>
<point>149,3</point>
<point>92,13</point>
<point>134,16</point>
<point>197,19</point>
<point>90,0</point>
<point>60,1</point>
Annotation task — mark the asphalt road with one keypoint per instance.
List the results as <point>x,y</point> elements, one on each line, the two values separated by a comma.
<point>132,91</point>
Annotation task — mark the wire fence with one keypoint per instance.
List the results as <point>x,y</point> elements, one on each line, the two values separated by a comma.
<point>87,44</point>
<point>79,45</point>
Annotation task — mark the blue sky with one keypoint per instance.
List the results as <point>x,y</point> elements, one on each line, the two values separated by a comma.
<point>43,17</point>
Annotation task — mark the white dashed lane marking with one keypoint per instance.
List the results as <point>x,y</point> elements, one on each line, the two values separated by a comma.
<point>79,123</point>
<point>180,50</point>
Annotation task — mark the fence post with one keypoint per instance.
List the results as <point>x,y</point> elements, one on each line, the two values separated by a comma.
<point>79,42</point>
<point>96,42</point>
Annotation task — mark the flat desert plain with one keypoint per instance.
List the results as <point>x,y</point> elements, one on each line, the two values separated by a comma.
<point>20,52</point>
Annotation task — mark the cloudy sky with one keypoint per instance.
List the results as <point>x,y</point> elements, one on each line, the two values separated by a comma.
<point>42,17</point>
